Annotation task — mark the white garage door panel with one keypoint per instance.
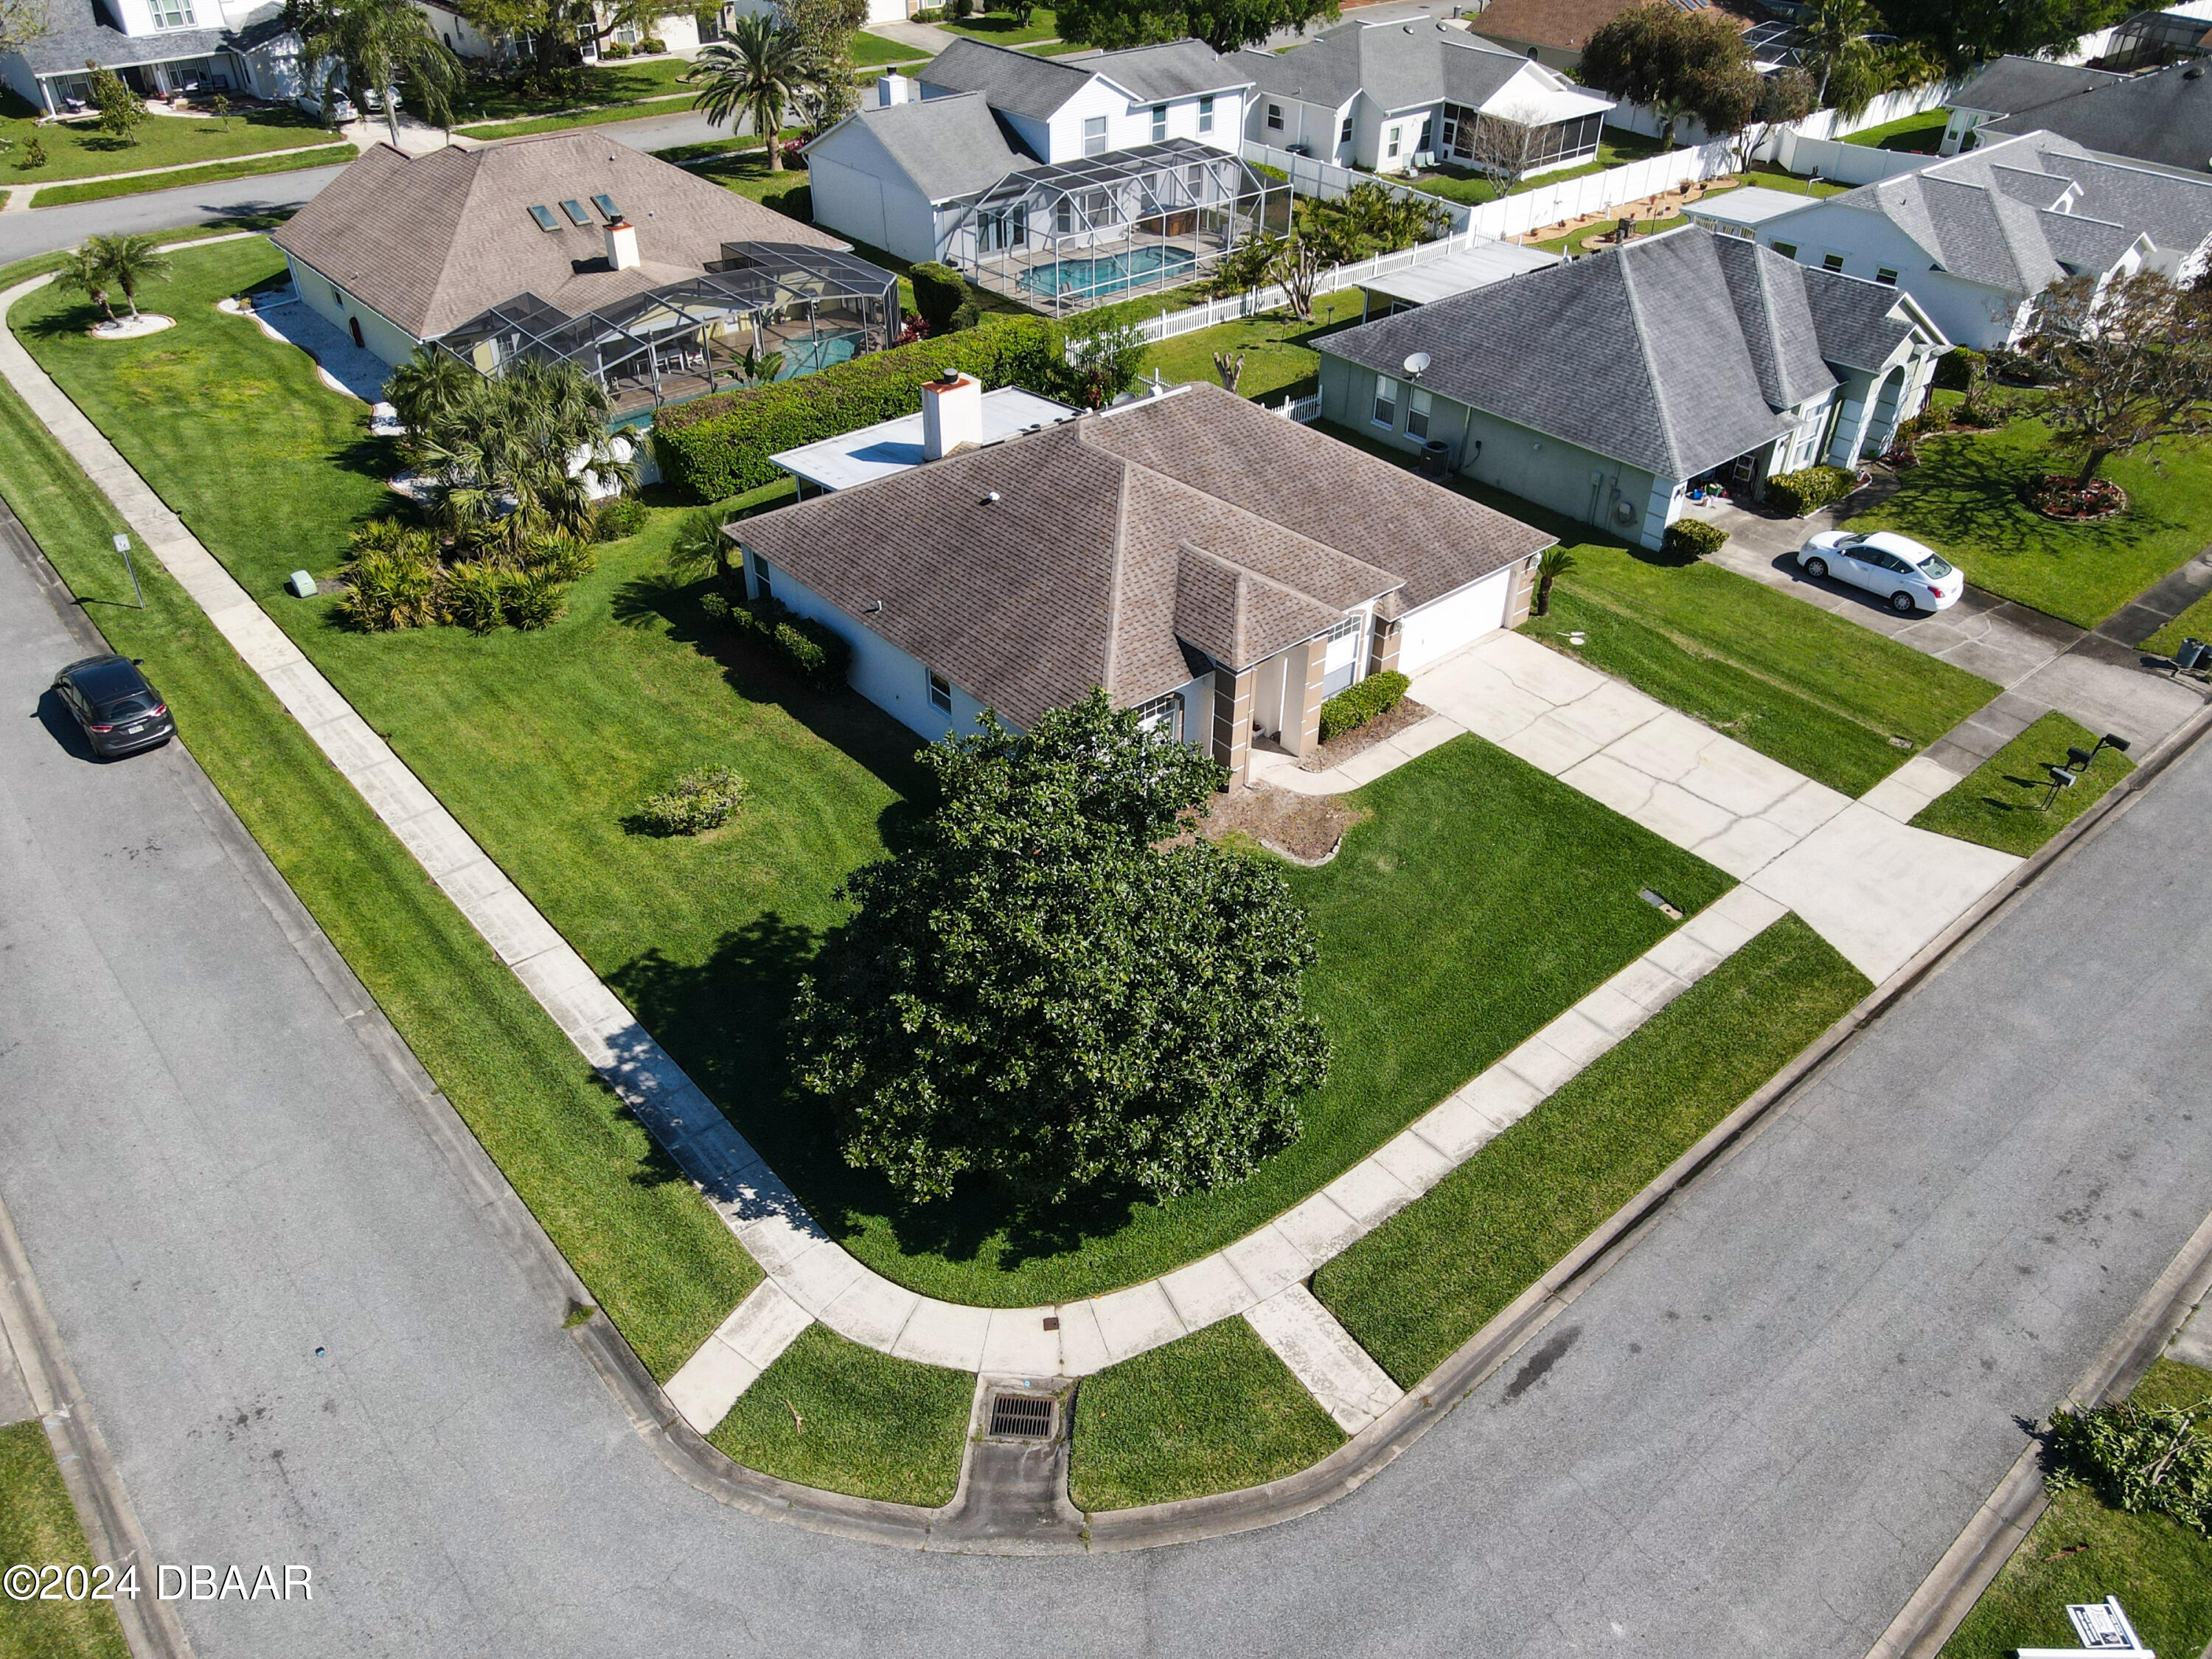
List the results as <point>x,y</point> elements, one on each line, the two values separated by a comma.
<point>1457,619</point>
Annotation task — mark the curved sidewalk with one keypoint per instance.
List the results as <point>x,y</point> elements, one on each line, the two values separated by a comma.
<point>1566,718</point>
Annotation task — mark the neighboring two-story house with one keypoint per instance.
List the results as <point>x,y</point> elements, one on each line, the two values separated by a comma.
<point>1975,238</point>
<point>159,47</point>
<point>1061,182</point>
<point>1607,388</point>
<point>1377,95</point>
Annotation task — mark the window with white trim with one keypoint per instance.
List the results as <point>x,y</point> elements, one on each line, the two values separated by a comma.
<point>1094,134</point>
<point>1340,662</point>
<point>1391,138</point>
<point>1787,250</point>
<point>1159,122</point>
<point>940,692</point>
<point>1417,412</point>
<point>762,576</point>
<point>1163,715</point>
<point>1832,262</point>
<point>1274,118</point>
<point>172,14</point>
<point>1344,133</point>
<point>1205,113</point>
<point>1386,402</point>
<point>1885,275</point>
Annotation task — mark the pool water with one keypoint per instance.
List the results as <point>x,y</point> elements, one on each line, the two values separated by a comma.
<point>1088,279</point>
<point>824,351</point>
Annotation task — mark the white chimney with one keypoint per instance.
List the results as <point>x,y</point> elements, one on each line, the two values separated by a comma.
<point>621,245</point>
<point>893,88</point>
<point>951,415</point>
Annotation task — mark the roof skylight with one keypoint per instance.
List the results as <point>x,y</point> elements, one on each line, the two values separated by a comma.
<point>574,210</point>
<point>544,217</point>
<point>606,205</point>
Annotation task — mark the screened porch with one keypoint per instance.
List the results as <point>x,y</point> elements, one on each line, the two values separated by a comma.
<point>1062,239</point>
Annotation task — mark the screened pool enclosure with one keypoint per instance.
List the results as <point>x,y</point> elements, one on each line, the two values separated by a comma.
<point>1064,238</point>
<point>807,306</point>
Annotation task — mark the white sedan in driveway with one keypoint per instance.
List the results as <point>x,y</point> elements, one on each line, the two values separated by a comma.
<point>1894,567</point>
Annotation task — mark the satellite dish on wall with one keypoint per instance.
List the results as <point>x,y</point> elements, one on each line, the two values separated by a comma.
<point>1418,363</point>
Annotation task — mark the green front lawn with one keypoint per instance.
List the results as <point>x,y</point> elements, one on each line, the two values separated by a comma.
<point>1819,693</point>
<point>1419,1285</point>
<point>2194,623</point>
<point>2003,802</point>
<point>650,1253</point>
<point>1917,135</point>
<point>543,744</point>
<point>869,51</point>
<point>1457,184</point>
<point>64,195</point>
<point>1210,1411</point>
<point>628,81</point>
<point>1280,360</point>
<point>832,1414</point>
<point>1000,28</point>
<point>2083,1551</point>
<point>38,1525</point>
<point>1963,499</point>
<point>76,150</point>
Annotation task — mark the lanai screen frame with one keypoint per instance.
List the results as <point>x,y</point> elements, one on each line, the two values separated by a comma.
<point>761,288</point>
<point>1112,203</point>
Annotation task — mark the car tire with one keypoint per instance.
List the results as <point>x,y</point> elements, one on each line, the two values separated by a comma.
<point>1903,604</point>
<point>1816,568</point>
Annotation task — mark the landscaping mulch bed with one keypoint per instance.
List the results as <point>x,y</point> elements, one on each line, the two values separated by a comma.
<point>2055,496</point>
<point>1305,828</point>
<point>1361,738</point>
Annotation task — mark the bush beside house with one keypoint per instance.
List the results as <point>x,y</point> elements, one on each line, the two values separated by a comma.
<point>1353,707</point>
<point>719,446</point>
<point>1692,538</point>
<point>1809,489</point>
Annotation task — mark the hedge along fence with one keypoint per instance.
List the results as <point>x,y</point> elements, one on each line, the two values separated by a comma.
<point>719,446</point>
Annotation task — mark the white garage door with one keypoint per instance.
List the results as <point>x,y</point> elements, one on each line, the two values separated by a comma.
<point>1444,625</point>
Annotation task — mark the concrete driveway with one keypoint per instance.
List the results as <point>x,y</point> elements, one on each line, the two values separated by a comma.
<point>2041,662</point>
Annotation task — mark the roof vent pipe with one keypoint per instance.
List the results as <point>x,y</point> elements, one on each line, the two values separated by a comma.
<point>621,245</point>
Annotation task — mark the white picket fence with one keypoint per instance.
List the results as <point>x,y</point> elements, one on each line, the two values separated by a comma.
<point>1310,176</point>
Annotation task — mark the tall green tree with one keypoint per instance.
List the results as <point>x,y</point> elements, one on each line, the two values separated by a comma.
<point>127,262</point>
<point>1224,25</point>
<point>1043,990</point>
<point>1834,45</point>
<point>2126,364</point>
<point>122,112</point>
<point>431,387</point>
<point>822,41</point>
<point>557,31</point>
<point>756,73</point>
<point>1679,64</point>
<point>1964,32</point>
<point>374,45</point>
<point>85,272</point>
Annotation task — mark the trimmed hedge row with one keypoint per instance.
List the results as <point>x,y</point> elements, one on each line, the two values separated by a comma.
<point>719,446</point>
<point>1692,538</point>
<point>1379,694</point>
<point>813,651</point>
<point>1957,369</point>
<point>1810,488</point>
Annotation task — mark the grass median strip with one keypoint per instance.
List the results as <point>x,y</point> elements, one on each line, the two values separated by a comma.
<point>1433,1275</point>
<point>655,1258</point>
<point>834,1415</point>
<point>2006,801</point>
<point>1211,1411</point>
<point>63,194</point>
<point>2083,1551</point>
<point>38,1526</point>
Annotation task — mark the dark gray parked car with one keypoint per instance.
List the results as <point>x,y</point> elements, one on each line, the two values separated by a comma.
<point>117,706</point>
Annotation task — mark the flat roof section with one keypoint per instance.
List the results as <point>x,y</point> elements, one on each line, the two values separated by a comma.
<point>1753,204</point>
<point>1439,279</point>
<point>878,450</point>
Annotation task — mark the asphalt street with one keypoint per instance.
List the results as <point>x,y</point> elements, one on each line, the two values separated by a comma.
<point>41,230</point>
<point>306,1343</point>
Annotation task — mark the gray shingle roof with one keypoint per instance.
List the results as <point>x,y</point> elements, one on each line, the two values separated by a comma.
<point>431,240</point>
<point>1978,214</point>
<point>2164,118</point>
<point>1399,66</point>
<point>951,147</point>
<point>2014,84</point>
<point>1020,82</point>
<point>1176,69</point>
<point>1673,355</point>
<point>74,34</point>
<point>1121,542</point>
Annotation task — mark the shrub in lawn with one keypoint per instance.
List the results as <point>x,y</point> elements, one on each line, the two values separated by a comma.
<point>1692,538</point>
<point>939,291</point>
<point>616,518</point>
<point>815,652</point>
<point>534,599</point>
<point>1810,488</point>
<point>393,578</point>
<point>476,596</point>
<point>2154,1459</point>
<point>1353,706</point>
<point>1959,368</point>
<point>705,799</point>
<point>560,560</point>
<point>717,446</point>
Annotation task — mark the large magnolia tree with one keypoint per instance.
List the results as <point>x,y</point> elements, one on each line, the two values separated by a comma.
<point>2126,365</point>
<point>1050,987</point>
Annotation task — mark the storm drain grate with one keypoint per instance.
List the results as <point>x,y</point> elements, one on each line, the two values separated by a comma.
<point>1021,1416</point>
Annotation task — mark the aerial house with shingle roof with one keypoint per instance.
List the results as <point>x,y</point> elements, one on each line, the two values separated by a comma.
<point>572,247</point>
<point>1207,562</point>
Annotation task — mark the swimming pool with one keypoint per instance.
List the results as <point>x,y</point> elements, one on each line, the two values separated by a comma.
<point>1089,279</point>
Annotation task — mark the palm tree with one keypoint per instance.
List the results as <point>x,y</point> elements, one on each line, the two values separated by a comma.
<point>127,261</point>
<point>1555,564</point>
<point>86,273</point>
<point>431,386</point>
<point>1834,46</point>
<point>378,43</point>
<point>755,72</point>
